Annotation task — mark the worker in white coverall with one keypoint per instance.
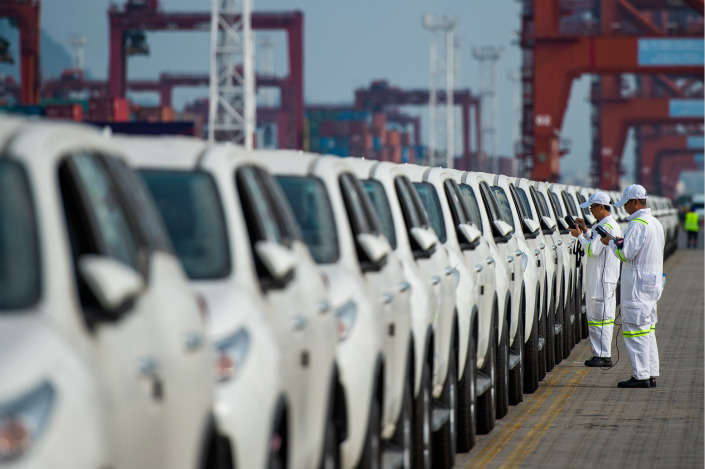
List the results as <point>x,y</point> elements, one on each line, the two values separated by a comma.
<point>641,253</point>
<point>601,275</point>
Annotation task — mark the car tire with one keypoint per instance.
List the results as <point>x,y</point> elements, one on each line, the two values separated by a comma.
<point>550,344</point>
<point>444,439</point>
<point>516,375</point>
<point>372,451</point>
<point>487,402</point>
<point>502,382</point>
<point>331,452</point>
<point>560,319</point>
<point>466,417</point>
<point>422,434</point>
<point>403,436</point>
<point>531,356</point>
<point>542,353</point>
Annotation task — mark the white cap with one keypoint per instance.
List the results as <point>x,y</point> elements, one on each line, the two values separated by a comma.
<point>596,198</point>
<point>635,191</point>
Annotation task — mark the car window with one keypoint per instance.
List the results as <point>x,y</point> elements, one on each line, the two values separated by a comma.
<point>557,209</point>
<point>355,206</point>
<point>524,200</point>
<point>471,202</point>
<point>429,198</point>
<point>457,206</point>
<point>264,221</point>
<point>153,234</point>
<point>312,210</point>
<point>586,210</point>
<point>503,202</point>
<point>407,195</point>
<point>569,204</point>
<point>378,197</point>
<point>190,206</point>
<point>19,245</point>
<point>112,229</point>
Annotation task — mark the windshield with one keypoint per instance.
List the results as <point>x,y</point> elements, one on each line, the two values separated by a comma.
<point>190,206</point>
<point>19,252</point>
<point>309,201</point>
<point>430,201</point>
<point>376,193</point>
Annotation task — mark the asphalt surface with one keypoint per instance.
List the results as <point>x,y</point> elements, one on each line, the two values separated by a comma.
<point>578,418</point>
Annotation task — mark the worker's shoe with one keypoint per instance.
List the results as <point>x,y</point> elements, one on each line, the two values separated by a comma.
<point>652,381</point>
<point>635,383</point>
<point>598,361</point>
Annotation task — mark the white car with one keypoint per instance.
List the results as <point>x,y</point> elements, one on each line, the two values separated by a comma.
<point>271,325</point>
<point>369,294</point>
<point>428,269</point>
<point>101,335</point>
<point>527,231</point>
<point>547,261</point>
<point>506,256</point>
<point>559,300</point>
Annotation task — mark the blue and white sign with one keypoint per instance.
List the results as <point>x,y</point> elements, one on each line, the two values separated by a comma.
<point>686,108</point>
<point>671,51</point>
<point>699,158</point>
<point>696,142</point>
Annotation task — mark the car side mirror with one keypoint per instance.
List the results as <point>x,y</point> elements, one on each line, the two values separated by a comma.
<point>425,239</point>
<point>468,235</point>
<point>502,228</point>
<point>375,247</point>
<point>279,260</point>
<point>113,283</point>
<point>530,226</point>
<point>563,224</point>
<point>548,223</point>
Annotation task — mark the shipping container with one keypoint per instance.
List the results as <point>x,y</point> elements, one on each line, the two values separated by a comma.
<point>64,111</point>
<point>148,128</point>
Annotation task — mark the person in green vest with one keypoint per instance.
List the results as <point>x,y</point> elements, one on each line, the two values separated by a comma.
<point>692,227</point>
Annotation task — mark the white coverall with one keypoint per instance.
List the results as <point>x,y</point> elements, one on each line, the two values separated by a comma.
<point>601,275</point>
<point>642,284</point>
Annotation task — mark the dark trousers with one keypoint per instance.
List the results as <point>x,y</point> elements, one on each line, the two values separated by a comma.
<point>692,237</point>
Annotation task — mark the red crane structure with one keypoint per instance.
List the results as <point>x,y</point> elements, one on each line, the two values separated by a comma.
<point>615,112</point>
<point>669,153</point>
<point>26,14</point>
<point>380,96</point>
<point>563,39</point>
<point>127,26</point>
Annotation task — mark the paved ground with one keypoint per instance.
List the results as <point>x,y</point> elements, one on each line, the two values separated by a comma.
<point>579,418</point>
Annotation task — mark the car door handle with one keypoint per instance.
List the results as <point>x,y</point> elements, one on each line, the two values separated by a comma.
<point>478,268</point>
<point>518,252</point>
<point>404,287</point>
<point>298,323</point>
<point>510,259</point>
<point>435,280</point>
<point>387,298</point>
<point>193,341</point>
<point>323,306</point>
<point>147,367</point>
<point>542,246</point>
<point>448,271</point>
<point>559,242</point>
<point>490,260</point>
<point>536,252</point>
<point>554,247</point>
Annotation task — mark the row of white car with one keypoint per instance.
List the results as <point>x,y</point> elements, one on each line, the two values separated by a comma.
<point>179,304</point>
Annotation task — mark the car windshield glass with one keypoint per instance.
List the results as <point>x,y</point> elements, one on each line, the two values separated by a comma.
<point>309,201</point>
<point>501,198</point>
<point>380,202</point>
<point>190,206</point>
<point>429,198</point>
<point>19,252</point>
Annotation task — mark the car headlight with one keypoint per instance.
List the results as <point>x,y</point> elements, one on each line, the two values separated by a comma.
<point>345,316</point>
<point>524,261</point>
<point>23,420</point>
<point>230,355</point>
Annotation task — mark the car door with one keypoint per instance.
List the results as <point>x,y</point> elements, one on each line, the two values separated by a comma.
<point>184,356</point>
<point>384,281</point>
<point>125,355</point>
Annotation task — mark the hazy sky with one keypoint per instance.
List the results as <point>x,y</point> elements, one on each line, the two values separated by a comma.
<point>346,45</point>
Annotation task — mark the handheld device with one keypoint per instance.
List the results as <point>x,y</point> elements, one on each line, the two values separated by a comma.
<point>571,221</point>
<point>601,231</point>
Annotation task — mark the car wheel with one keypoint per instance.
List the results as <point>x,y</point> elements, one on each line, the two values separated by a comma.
<point>516,374</point>
<point>331,453</point>
<point>550,344</point>
<point>487,401</point>
<point>422,422</point>
<point>502,382</point>
<point>444,438</point>
<point>531,356</point>
<point>467,402</point>
<point>403,436</point>
<point>542,356</point>
<point>372,451</point>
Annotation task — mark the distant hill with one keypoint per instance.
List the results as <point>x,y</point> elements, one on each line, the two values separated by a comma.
<point>54,56</point>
